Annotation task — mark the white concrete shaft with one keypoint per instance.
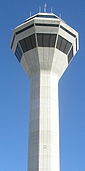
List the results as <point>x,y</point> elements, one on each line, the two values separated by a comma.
<point>44,123</point>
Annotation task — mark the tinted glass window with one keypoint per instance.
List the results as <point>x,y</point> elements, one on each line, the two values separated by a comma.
<point>33,40</point>
<point>46,40</point>
<point>59,42</point>
<point>28,43</point>
<point>63,45</point>
<point>18,53</point>
<point>23,45</point>
<point>70,55</point>
<point>67,48</point>
<point>39,39</point>
<point>52,40</point>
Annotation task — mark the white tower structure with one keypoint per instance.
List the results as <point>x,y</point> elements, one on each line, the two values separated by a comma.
<point>44,45</point>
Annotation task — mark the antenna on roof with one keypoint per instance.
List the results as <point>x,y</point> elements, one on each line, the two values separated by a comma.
<point>40,9</point>
<point>30,14</point>
<point>60,15</point>
<point>45,7</point>
<point>51,10</point>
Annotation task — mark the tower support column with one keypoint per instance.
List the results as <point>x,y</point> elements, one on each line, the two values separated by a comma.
<point>44,123</point>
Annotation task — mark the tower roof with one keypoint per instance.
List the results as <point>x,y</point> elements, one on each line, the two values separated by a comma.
<point>44,15</point>
<point>44,41</point>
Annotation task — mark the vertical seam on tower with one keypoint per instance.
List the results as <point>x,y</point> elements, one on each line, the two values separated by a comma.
<point>55,44</point>
<point>37,46</point>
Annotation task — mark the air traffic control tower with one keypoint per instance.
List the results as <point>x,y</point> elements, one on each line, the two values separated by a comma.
<point>44,45</point>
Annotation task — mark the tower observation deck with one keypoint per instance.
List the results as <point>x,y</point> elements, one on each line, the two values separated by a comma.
<point>44,45</point>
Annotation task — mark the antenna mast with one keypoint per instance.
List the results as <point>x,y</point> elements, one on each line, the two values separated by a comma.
<point>45,7</point>
<point>40,9</point>
<point>30,13</point>
<point>51,10</point>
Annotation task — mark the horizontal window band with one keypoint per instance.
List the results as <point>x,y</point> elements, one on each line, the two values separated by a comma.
<point>67,31</point>
<point>40,24</point>
<point>49,25</point>
<point>24,29</point>
<point>37,24</point>
<point>43,40</point>
<point>47,16</point>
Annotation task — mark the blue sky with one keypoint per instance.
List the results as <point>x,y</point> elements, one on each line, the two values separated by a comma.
<point>14,89</point>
